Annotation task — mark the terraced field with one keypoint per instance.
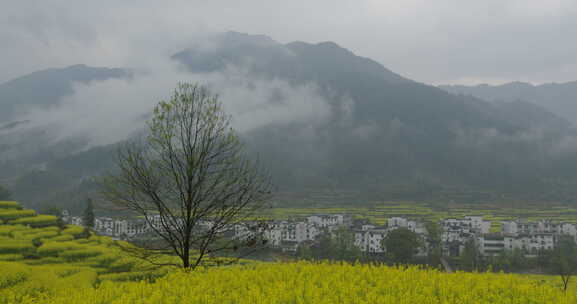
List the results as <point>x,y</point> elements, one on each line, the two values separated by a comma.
<point>377,213</point>
<point>37,255</point>
<point>40,260</point>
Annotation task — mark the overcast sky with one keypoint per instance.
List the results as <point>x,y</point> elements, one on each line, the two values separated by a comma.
<point>440,41</point>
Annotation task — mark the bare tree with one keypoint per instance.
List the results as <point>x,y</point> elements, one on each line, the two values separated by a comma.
<point>189,178</point>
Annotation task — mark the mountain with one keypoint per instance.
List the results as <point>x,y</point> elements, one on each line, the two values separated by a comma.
<point>399,131</point>
<point>30,154</point>
<point>24,145</point>
<point>559,98</point>
<point>46,88</point>
<point>384,134</point>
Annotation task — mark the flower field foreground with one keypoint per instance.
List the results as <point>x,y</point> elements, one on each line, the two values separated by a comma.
<point>322,283</point>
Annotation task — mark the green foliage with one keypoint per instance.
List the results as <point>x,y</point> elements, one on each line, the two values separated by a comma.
<point>338,245</point>
<point>401,245</point>
<point>191,149</point>
<point>470,258</point>
<point>564,260</point>
<point>509,261</point>
<point>434,253</point>
<point>88,214</point>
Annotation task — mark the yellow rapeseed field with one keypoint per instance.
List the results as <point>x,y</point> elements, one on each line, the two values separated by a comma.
<point>319,283</point>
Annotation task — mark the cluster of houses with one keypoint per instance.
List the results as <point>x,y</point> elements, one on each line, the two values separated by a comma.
<point>288,235</point>
<point>527,237</point>
<point>455,233</point>
<point>118,228</point>
<point>370,238</point>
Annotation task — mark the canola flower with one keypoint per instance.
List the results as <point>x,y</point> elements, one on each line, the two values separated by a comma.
<point>318,283</point>
<point>67,267</point>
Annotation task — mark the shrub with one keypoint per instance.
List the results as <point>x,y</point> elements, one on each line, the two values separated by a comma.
<point>79,254</point>
<point>75,231</point>
<point>55,248</point>
<point>62,238</point>
<point>32,235</point>
<point>45,261</point>
<point>132,276</point>
<point>16,246</point>
<point>10,257</point>
<point>9,205</point>
<point>12,274</point>
<point>37,221</point>
<point>10,214</point>
<point>8,230</point>
<point>80,280</point>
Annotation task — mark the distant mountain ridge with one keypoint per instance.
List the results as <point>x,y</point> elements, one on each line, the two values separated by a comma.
<point>411,132</point>
<point>32,148</point>
<point>47,87</point>
<point>384,131</point>
<point>559,98</point>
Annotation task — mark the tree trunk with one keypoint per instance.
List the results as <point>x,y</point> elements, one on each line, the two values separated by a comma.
<point>185,259</point>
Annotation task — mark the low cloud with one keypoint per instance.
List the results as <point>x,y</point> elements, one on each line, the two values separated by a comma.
<point>109,111</point>
<point>443,41</point>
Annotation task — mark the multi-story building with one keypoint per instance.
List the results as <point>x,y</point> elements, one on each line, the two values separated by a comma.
<point>491,244</point>
<point>282,234</point>
<point>469,224</point>
<point>457,232</point>
<point>120,228</point>
<point>104,225</point>
<point>273,234</point>
<point>370,239</point>
<point>326,220</point>
<point>75,220</point>
<point>299,232</point>
<point>529,237</point>
<point>542,226</point>
<point>529,244</point>
<point>401,222</point>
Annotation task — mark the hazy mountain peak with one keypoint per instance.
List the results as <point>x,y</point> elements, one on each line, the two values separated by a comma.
<point>519,84</point>
<point>559,98</point>
<point>47,87</point>
<point>326,46</point>
<point>244,38</point>
<point>325,63</point>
